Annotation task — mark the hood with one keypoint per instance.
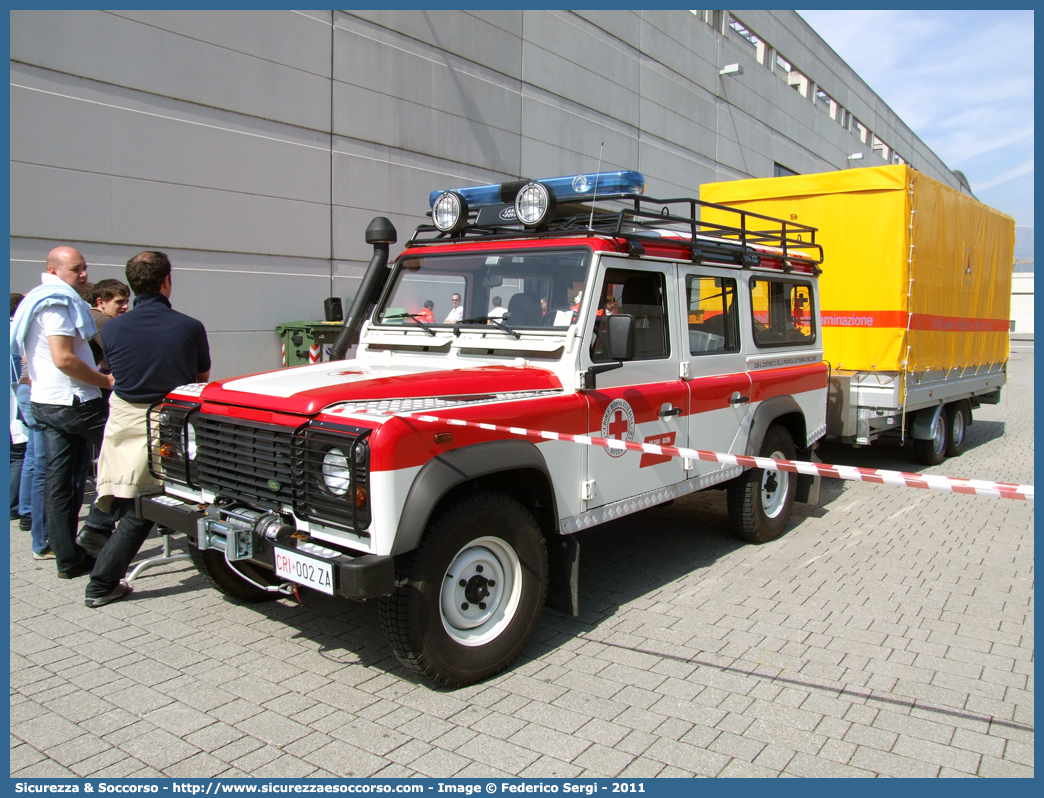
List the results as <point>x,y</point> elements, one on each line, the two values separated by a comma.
<point>308,389</point>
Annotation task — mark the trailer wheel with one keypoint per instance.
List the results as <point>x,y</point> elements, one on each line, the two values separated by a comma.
<point>469,597</point>
<point>213,567</point>
<point>933,451</point>
<point>958,416</point>
<point>759,500</point>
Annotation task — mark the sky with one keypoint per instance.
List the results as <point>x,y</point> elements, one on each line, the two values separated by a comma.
<point>963,82</point>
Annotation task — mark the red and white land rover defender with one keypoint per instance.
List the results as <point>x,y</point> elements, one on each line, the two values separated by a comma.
<point>585,307</point>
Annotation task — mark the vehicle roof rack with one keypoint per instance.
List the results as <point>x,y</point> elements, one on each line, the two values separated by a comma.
<point>650,219</point>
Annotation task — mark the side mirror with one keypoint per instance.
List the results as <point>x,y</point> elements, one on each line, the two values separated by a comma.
<point>620,332</point>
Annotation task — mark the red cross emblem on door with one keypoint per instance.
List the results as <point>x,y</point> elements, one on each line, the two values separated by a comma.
<point>618,424</point>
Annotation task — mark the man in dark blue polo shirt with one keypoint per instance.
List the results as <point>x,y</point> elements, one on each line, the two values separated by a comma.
<point>151,350</point>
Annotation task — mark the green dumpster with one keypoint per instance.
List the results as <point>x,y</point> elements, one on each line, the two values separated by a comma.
<point>305,342</point>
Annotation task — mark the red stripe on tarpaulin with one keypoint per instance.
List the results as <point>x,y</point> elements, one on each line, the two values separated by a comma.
<point>924,481</point>
<point>869,319</point>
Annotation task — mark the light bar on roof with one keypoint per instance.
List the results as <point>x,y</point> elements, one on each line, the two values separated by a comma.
<point>568,188</point>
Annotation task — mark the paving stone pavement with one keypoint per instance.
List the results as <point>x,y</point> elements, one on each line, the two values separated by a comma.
<point>889,632</point>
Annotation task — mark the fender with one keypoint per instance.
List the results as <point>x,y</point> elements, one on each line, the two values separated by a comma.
<point>443,473</point>
<point>923,423</point>
<point>767,412</point>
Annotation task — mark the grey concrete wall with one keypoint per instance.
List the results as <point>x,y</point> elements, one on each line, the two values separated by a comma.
<point>254,147</point>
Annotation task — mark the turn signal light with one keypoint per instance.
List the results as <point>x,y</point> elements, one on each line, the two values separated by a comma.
<point>360,497</point>
<point>166,450</point>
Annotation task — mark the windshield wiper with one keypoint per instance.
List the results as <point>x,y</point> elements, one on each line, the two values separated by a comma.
<point>415,318</point>
<point>484,320</point>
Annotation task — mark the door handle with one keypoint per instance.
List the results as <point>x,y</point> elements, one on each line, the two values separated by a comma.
<point>670,411</point>
<point>736,399</point>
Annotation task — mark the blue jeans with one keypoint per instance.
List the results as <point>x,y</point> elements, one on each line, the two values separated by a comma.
<point>25,479</point>
<point>34,472</point>
<point>120,549</point>
<point>67,429</point>
<point>17,461</point>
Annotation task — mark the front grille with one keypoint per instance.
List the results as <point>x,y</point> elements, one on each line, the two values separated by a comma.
<point>245,460</point>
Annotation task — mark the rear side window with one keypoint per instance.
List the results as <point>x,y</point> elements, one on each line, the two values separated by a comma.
<point>782,312</point>
<point>712,314</point>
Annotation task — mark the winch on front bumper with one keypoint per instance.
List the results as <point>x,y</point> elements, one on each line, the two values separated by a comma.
<point>264,539</point>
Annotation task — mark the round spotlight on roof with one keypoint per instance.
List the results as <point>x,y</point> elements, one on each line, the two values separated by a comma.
<point>535,204</point>
<point>450,212</point>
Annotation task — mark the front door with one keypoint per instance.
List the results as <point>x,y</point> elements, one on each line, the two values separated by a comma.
<point>645,400</point>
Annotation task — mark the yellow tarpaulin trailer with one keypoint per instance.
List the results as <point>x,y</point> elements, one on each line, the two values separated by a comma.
<point>916,276</point>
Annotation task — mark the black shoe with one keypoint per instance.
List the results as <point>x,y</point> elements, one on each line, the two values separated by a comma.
<point>92,540</point>
<point>25,523</point>
<point>115,594</point>
<point>84,567</point>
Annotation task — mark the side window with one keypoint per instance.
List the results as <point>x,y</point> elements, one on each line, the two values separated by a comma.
<point>639,294</point>
<point>782,312</point>
<point>712,314</point>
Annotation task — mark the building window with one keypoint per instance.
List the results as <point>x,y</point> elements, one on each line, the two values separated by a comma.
<point>779,170</point>
<point>827,103</point>
<point>860,130</point>
<point>880,148</point>
<point>743,31</point>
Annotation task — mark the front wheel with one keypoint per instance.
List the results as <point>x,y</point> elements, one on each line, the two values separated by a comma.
<point>759,500</point>
<point>468,598</point>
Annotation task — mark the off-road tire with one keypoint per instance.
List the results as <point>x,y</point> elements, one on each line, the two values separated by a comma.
<point>933,451</point>
<point>487,531</point>
<point>958,419</point>
<point>748,516</point>
<point>212,566</point>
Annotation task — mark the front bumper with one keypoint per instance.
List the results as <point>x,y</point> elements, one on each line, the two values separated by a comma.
<point>355,577</point>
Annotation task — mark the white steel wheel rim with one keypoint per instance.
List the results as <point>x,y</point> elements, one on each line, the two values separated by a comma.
<point>774,486</point>
<point>957,428</point>
<point>939,435</point>
<point>480,591</point>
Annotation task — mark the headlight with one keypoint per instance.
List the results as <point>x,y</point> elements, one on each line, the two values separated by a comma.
<point>450,212</point>
<point>535,204</point>
<point>172,442</point>
<point>190,441</point>
<point>336,474</point>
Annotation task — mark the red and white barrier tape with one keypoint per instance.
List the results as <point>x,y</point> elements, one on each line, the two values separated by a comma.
<point>932,482</point>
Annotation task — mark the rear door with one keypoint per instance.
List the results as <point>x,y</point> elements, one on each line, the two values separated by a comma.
<point>719,386</point>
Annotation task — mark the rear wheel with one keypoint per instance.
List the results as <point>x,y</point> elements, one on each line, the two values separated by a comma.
<point>468,598</point>
<point>760,500</point>
<point>933,451</point>
<point>958,416</point>
<point>222,577</point>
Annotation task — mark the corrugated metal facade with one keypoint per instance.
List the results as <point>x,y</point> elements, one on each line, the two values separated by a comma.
<point>254,147</point>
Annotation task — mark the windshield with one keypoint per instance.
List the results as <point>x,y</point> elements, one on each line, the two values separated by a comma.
<point>520,289</point>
